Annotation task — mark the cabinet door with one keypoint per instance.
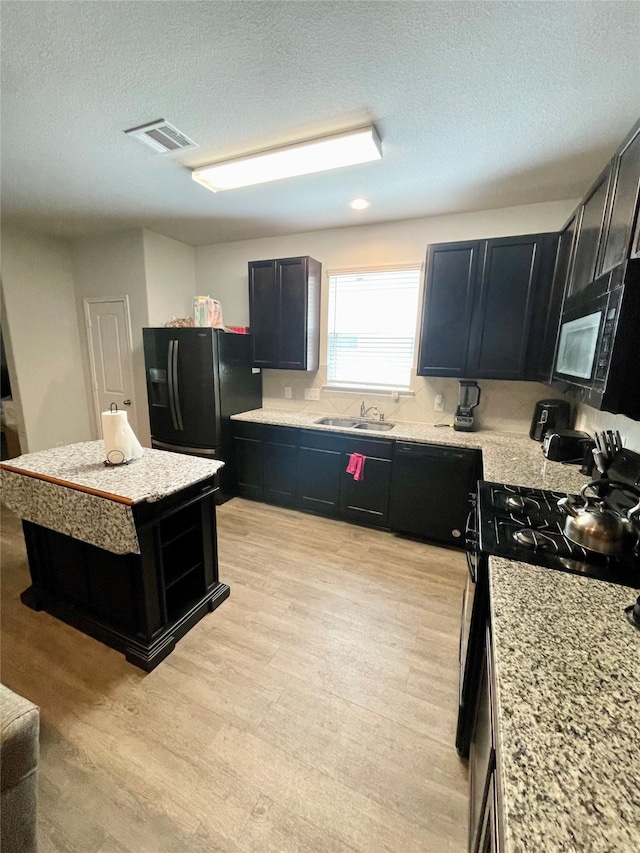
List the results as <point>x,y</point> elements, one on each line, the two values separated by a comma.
<point>249,461</point>
<point>318,480</point>
<point>547,303</point>
<point>481,755</point>
<point>366,501</point>
<point>279,473</point>
<point>446,310</point>
<point>503,308</point>
<point>263,313</point>
<point>291,275</point>
<point>588,235</point>
<point>624,205</point>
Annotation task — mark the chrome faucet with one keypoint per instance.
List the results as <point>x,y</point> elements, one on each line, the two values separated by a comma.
<point>363,411</point>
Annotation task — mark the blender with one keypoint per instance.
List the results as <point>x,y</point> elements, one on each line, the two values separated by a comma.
<point>469,397</point>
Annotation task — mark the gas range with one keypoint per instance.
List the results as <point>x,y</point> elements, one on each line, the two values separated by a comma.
<point>526,524</point>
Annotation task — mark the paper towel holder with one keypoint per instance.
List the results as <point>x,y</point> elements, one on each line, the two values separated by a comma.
<point>109,461</point>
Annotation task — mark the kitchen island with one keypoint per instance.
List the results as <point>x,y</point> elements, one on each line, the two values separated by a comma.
<point>127,553</point>
<point>565,661</point>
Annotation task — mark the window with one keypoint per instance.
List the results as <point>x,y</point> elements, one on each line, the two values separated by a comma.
<point>372,326</point>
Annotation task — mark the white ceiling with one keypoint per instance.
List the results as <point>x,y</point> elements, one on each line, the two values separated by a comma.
<point>479,105</point>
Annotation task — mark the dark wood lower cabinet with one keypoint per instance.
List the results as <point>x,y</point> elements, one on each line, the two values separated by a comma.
<point>366,501</point>
<point>318,480</point>
<point>140,604</point>
<point>279,465</point>
<point>306,469</point>
<point>484,804</point>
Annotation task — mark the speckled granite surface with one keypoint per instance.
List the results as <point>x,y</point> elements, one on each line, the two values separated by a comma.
<point>568,698</point>
<point>567,672</point>
<point>508,457</point>
<point>92,518</point>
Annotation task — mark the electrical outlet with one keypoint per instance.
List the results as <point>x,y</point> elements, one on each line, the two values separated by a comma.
<point>287,392</point>
<point>395,396</point>
<point>311,393</point>
<point>438,403</point>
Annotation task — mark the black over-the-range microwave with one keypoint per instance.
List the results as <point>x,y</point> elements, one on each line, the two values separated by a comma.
<point>597,359</point>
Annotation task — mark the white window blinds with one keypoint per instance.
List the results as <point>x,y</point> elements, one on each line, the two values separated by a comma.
<point>372,324</point>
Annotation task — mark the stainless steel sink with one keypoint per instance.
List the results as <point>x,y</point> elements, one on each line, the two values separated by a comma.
<point>339,422</point>
<point>354,423</point>
<point>376,426</point>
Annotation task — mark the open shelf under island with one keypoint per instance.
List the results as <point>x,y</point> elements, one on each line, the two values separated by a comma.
<point>126,554</point>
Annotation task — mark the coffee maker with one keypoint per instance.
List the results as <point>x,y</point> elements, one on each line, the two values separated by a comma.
<point>469,397</point>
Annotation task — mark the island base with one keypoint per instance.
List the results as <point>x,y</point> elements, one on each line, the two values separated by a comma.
<point>147,656</point>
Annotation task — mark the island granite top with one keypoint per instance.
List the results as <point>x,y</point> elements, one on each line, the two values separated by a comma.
<point>70,490</point>
<point>154,476</point>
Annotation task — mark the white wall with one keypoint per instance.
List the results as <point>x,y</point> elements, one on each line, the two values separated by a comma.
<point>44,349</point>
<point>591,420</point>
<point>107,267</point>
<point>221,271</point>
<point>170,278</point>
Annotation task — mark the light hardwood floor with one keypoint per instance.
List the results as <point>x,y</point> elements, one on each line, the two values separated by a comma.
<point>313,712</point>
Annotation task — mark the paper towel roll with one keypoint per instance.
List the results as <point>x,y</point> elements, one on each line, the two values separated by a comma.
<point>120,442</point>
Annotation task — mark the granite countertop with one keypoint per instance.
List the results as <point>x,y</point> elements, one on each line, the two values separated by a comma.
<point>567,672</point>
<point>508,457</point>
<point>567,665</point>
<point>70,490</point>
<point>151,478</point>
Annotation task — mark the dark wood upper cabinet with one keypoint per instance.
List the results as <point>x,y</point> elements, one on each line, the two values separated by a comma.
<point>485,307</point>
<point>284,309</point>
<point>589,235</point>
<point>625,190</point>
<point>447,308</point>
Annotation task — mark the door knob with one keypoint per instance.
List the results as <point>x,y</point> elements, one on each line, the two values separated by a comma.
<point>126,402</point>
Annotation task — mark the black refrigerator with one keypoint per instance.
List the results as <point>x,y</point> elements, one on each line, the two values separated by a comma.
<point>196,379</point>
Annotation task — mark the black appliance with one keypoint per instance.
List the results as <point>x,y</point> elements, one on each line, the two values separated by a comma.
<point>197,378</point>
<point>567,445</point>
<point>549,416</point>
<point>525,524</point>
<point>419,506</point>
<point>468,399</point>
<point>597,359</point>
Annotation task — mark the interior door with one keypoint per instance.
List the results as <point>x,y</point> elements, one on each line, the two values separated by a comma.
<point>110,352</point>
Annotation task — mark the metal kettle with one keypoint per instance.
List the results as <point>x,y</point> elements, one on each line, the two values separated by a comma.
<point>595,526</point>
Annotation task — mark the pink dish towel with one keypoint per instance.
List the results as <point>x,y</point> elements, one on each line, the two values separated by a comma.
<point>356,466</point>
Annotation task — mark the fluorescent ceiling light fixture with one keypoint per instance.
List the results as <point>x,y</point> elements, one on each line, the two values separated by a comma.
<point>302,158</point>
<point>359,204</point>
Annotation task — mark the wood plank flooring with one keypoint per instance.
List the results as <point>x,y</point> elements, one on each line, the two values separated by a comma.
<point>313,712</point>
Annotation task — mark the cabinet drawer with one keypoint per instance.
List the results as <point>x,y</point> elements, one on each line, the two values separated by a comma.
<point>265,432</point>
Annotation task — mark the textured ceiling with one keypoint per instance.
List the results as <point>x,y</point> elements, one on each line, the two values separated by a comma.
<point>479,105</point>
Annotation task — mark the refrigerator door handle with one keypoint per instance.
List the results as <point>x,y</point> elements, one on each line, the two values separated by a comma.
<point>176,388</point>
<point>172,404</point>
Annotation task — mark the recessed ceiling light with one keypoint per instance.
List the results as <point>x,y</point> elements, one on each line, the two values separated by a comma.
<point>302,158</point>
<point>359,204</point>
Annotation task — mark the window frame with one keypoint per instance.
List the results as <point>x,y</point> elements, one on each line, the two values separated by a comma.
<point>402,390</point>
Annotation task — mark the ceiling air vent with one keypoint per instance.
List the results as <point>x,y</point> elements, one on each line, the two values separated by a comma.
<point>162,137</point>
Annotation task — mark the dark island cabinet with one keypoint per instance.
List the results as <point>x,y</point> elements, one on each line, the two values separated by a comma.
<point>139,604</point>
<point>284,309</point>
<point>485,307</point>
